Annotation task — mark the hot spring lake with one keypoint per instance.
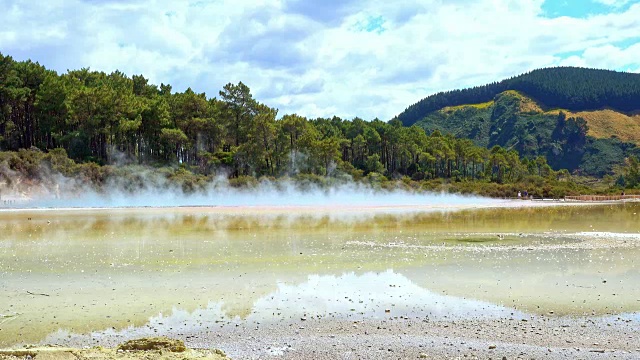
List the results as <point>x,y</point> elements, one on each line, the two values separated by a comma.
<point>84,275</point>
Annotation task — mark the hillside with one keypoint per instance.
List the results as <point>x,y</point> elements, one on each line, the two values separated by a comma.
<point>570,88</point>
<point>604,124</point>
<point>591,142</point>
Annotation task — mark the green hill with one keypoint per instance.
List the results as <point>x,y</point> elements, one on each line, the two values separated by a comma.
<point>584,120</point>
<point>571,88</point>
<point>590,142</point>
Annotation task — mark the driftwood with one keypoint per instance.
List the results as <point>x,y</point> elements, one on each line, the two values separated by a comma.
<point>8,317</point>
<point>37,294</point>
<point>5,316</point>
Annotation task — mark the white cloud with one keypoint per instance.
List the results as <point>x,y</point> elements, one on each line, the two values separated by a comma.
<point>314,59</point>
<point>607,57</point>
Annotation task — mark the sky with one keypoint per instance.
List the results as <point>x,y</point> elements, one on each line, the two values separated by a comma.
<point>320,58</point>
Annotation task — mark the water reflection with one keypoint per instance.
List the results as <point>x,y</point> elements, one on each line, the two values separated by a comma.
<point>348,296</point>
<point>116,268</point>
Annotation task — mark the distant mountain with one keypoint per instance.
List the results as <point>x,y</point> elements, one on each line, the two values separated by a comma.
<point>571,88</point>
<point>590,142</point>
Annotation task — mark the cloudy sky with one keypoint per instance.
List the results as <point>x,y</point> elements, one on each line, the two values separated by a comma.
<point>367,58</point>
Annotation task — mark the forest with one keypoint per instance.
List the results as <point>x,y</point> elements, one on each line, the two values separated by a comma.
<point>92,125</point>
<point>514,121</point>
<point>569,88</point>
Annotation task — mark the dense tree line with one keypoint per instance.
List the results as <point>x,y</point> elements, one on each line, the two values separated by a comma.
<point>570,88</point>
<point>112,118</point>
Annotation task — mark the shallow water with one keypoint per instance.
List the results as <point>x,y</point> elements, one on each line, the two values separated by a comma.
<point>68,274</point>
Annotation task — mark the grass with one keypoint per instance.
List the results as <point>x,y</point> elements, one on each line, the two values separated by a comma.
<point>480,106</point>
<point>527,104</point>
<point>609,123</point>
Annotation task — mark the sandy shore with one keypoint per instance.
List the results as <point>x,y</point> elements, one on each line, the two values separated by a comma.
<point>538,337</point>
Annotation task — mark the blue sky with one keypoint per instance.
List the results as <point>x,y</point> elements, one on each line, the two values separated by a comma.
<point>584,8</point>
<point>367,58</point>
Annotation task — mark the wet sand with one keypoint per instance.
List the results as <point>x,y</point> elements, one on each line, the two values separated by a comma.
<point>536,337</point>
<point>394,338</point>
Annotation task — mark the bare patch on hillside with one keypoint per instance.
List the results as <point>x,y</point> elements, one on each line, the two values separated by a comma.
<point>527,104</point>
<point>609,123</point>
<point>481,106</point>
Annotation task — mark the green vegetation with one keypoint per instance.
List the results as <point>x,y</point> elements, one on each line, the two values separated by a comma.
<point>516,122</point>
<point>511,113</point>
<point>101,129</point>
<point>570,88</point>
<point>630,176</point>
<point>502,175</point>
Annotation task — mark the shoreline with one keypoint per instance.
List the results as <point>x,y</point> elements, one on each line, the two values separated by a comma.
<point>487,204</point>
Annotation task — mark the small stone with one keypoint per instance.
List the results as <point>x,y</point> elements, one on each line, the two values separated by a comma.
<point>158,343</point>
<point>219,352</point>
<point>423,356</point>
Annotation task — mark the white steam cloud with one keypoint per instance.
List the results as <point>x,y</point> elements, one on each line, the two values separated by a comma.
<point>139,186</point>
<point>266,194</point>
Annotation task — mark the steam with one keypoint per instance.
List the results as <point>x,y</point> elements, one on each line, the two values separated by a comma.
<point>287,194</point>
<point>138,186</point>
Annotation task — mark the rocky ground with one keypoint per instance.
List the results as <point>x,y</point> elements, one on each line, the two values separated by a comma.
<point>402,338</point>
<point>537,337</point>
